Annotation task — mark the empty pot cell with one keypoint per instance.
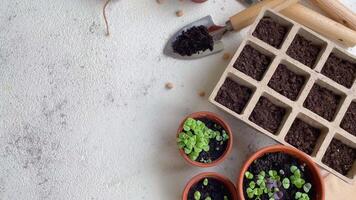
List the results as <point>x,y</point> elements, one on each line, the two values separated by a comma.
<point>286,82</point>
<point>323,102</point>
<point>340,70</point>
<point>304,50</point>
<point>267,115</point>
<point>339,156</point>
<point>271,32</point>
<point>252,62</point>
<point>348,123</point>
<point>233,95</point>
<point>303,136</point>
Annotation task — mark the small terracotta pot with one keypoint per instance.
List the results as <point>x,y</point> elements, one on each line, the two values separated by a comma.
<point>199,1</point>
<point>317,180</point>
<point>216,119</point>
<point>228,184</point>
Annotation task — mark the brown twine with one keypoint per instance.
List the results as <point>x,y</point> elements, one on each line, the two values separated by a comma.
<point>105,18</point>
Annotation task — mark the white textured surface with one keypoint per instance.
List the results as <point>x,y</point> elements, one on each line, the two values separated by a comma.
<point>83,116</point>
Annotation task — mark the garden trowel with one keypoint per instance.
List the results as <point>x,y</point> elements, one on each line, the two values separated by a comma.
<point>235,23</point>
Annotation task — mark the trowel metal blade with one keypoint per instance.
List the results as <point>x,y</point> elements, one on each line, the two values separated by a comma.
<point>205,21</point>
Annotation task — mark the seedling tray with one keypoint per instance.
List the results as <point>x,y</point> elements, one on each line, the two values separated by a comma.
<point>273,111</point>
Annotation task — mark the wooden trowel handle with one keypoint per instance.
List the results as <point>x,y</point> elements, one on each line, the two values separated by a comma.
<point>247,16</point>
<point>321,24</point>
<point>337,11</point>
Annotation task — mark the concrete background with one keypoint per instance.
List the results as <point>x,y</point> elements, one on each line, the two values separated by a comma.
<point>85,116</point>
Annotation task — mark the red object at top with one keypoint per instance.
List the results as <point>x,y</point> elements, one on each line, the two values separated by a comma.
<point>199,1</point>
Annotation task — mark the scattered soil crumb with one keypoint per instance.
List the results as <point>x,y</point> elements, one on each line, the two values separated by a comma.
<point>169,85</point>
<point>160,1</point>
<point>179,13</point>
<point>226,56</point>
<point>201,94</point>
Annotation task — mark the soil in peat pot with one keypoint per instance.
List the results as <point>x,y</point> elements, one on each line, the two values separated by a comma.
<point>217,148</point>
<point>286,82</point>
<point>280,161</point>
<point>269,31</point>
<point>233,95</point>
<point>267,115</point>
<point>340,70</point>
<point>252,62</point>
<point>303,136</point>
<point>304,51</point>
<point>348,123</point>
<point>193,40</point>
<point>323,102</point>
<point>340,157</point>
<point>214,189</point>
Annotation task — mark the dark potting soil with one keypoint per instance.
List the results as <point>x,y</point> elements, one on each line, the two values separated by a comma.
<point>271,32</point>
<point>280,161</point>
<point>339,156</point>
<point>323,102</point>
<point>349,121</point>
<point>340,70</point>
<point>233,95</point>
<point>303,136</point>
<point>252,62</point>
<point>286,82</point>
<point>193,40</point>
<point>304,51</point>
<point>217,148</point>
<point>215,189</point>
<point>267,115</point>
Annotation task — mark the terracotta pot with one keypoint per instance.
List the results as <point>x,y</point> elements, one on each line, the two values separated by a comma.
<point>217,120</point>
<point>317,180</point>
<point>199,1</point>
<point>228,184</point>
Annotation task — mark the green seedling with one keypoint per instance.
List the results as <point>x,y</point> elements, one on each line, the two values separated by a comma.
<point>248,175</point>
<point>274,183</point>
<point>286,183</point>
<point>196,137</point>
<point>207,198</point>
<point>205,182</point>
<point>197,195</point>
<point>226,198</point>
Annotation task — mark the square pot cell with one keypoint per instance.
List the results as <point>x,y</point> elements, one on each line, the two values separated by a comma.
<point>252,62</point>
<point>303,136</point>
<point>323,102</point>
<point>268,115</point>
<point>348,123</point>
<point>287,82</point>
<point>304,50</point>
<point>339,157</point>
<point>271,31</point>
<point>233,95</point>
<point>340,70</point>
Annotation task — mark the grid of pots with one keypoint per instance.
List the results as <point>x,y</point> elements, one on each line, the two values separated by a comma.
<point>297,87</point>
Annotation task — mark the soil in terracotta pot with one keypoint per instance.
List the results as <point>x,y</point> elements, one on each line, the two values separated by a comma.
<point>279,161</point>
<point>233,95</point>
<point>340,157</point>
<point>193,40</point>
<point>304,51</point>
<point>349,121</point>
<point>252,62</point>
<point>340,70</point>
<point>217,148</point>
<point>215,189</point>
<point>303,136</point>
<point>286,82</point>
<point>271,32</point>
<point>323,102</point>
<point>267,115</point>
